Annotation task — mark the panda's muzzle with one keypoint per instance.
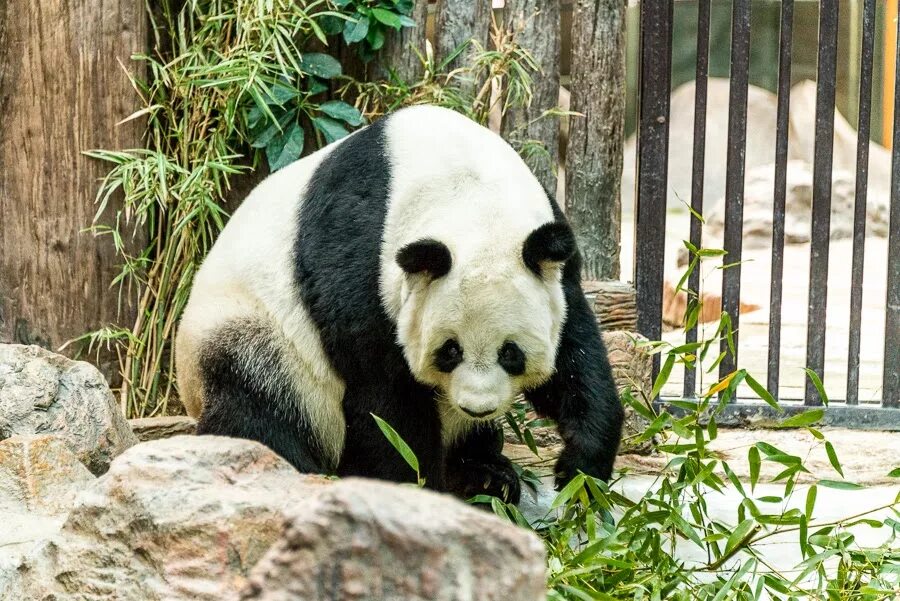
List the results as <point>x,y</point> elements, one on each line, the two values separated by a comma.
<point>477,413</point>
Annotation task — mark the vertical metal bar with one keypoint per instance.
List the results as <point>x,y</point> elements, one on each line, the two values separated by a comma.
<point>734,177</point>
<point>700,83</point>
<point>862,182</point>
<point>652,165</point>
<point>891,380</point>
<point>821,211</point>
<point>782,128</point>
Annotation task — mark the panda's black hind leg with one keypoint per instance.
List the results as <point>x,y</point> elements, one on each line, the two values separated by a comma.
<point>244,385</point>
<point>477,466</point>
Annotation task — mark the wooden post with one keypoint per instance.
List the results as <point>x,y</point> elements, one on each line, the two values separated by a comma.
<point>458,21</point>
<point>61,92</point>
<point>594,151</point>
<point>536,25</point>
<point>398,55</point>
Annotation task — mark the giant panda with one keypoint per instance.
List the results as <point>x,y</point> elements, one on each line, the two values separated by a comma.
<point>415,270</point>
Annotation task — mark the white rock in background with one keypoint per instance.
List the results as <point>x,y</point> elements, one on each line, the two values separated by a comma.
<point>180,518</point>
<point>45,393</point>
<point>758,209</point>
<point>363,539</point>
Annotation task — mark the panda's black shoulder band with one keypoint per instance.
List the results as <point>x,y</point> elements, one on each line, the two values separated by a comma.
<point>425,256</point>
<point>553,242</point>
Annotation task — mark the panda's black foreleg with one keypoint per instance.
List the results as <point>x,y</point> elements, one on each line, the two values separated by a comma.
<point>581,396</point>
<point>477,466</point>
<point>409,409</point>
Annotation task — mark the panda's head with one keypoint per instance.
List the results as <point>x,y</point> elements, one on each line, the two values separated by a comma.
<point>483,327</point>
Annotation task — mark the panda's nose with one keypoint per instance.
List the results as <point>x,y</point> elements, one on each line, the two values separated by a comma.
<point>477,413</point>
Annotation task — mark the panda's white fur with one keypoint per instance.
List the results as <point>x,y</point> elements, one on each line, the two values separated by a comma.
<point>472,192</point>
<point>453,181</point>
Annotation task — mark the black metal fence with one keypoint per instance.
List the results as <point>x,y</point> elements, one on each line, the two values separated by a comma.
<point>653,131</point>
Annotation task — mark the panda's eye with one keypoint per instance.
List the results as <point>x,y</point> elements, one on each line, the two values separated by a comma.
<point>511,359</point>
<point>448,356</point>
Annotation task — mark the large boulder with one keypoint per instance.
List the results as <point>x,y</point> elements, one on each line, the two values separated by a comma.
<point>758,209</point>
<point>45,393</point>
<point>39,479</point>
<point>180,518</point>
<point>364,539</point>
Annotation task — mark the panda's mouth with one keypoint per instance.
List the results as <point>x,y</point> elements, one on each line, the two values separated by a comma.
<point>478,414</point>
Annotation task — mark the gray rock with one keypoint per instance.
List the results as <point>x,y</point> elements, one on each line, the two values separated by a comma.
<point>364,539</point>
<point>632,368</point>
<point>45,393</point>
<point>758,209</point>
<point>167,426</point>
<point>39,479</point>
<point>180,518</point>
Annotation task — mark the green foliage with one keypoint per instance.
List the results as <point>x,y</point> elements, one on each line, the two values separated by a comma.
<point>225,79</point>
<point>400,446</point>
<point>370,22</point>
<point>604,545</point>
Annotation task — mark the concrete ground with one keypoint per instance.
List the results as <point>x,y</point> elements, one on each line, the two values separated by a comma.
<point>754,326</point>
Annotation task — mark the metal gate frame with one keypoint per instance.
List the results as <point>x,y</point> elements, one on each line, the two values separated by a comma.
<point>656,23</point>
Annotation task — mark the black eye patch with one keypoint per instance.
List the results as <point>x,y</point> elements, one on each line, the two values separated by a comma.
<point>511,359</point>
<point>448,356</point>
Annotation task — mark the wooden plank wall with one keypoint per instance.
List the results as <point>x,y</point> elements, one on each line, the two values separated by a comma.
<point>61,92</point>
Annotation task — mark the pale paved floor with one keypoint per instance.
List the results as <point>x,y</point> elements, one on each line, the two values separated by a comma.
<point>755,289</point>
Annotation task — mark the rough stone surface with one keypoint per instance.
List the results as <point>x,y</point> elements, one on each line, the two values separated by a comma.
<point>39,479</point>
<point>45,393</point>
<point>364,539</point>
<point>154,428</point>
<point>758,203</point>
<point>181,518</point>
<point>632,368</point>
<point>761,112</point>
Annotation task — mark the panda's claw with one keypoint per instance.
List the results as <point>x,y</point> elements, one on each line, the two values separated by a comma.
<point>492,476</point>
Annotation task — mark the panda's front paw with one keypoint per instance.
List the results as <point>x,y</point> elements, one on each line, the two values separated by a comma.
<point>494,476</point>
<point>573,460</point>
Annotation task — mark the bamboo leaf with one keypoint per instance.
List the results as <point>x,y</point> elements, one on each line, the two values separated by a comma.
<point>840,485</point>
<point>817,383</point>
<point>663,376</point>
<point>833,458</point>
<point>754,460</point>
<point>811,500</point>
<point>398,443</point>
<point>802,419</point>
<point>739,534</point>
<point>762,393</point>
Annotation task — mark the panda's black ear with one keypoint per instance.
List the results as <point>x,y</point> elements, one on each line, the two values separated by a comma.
<point>551,244</point>
<point>426,256</point>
